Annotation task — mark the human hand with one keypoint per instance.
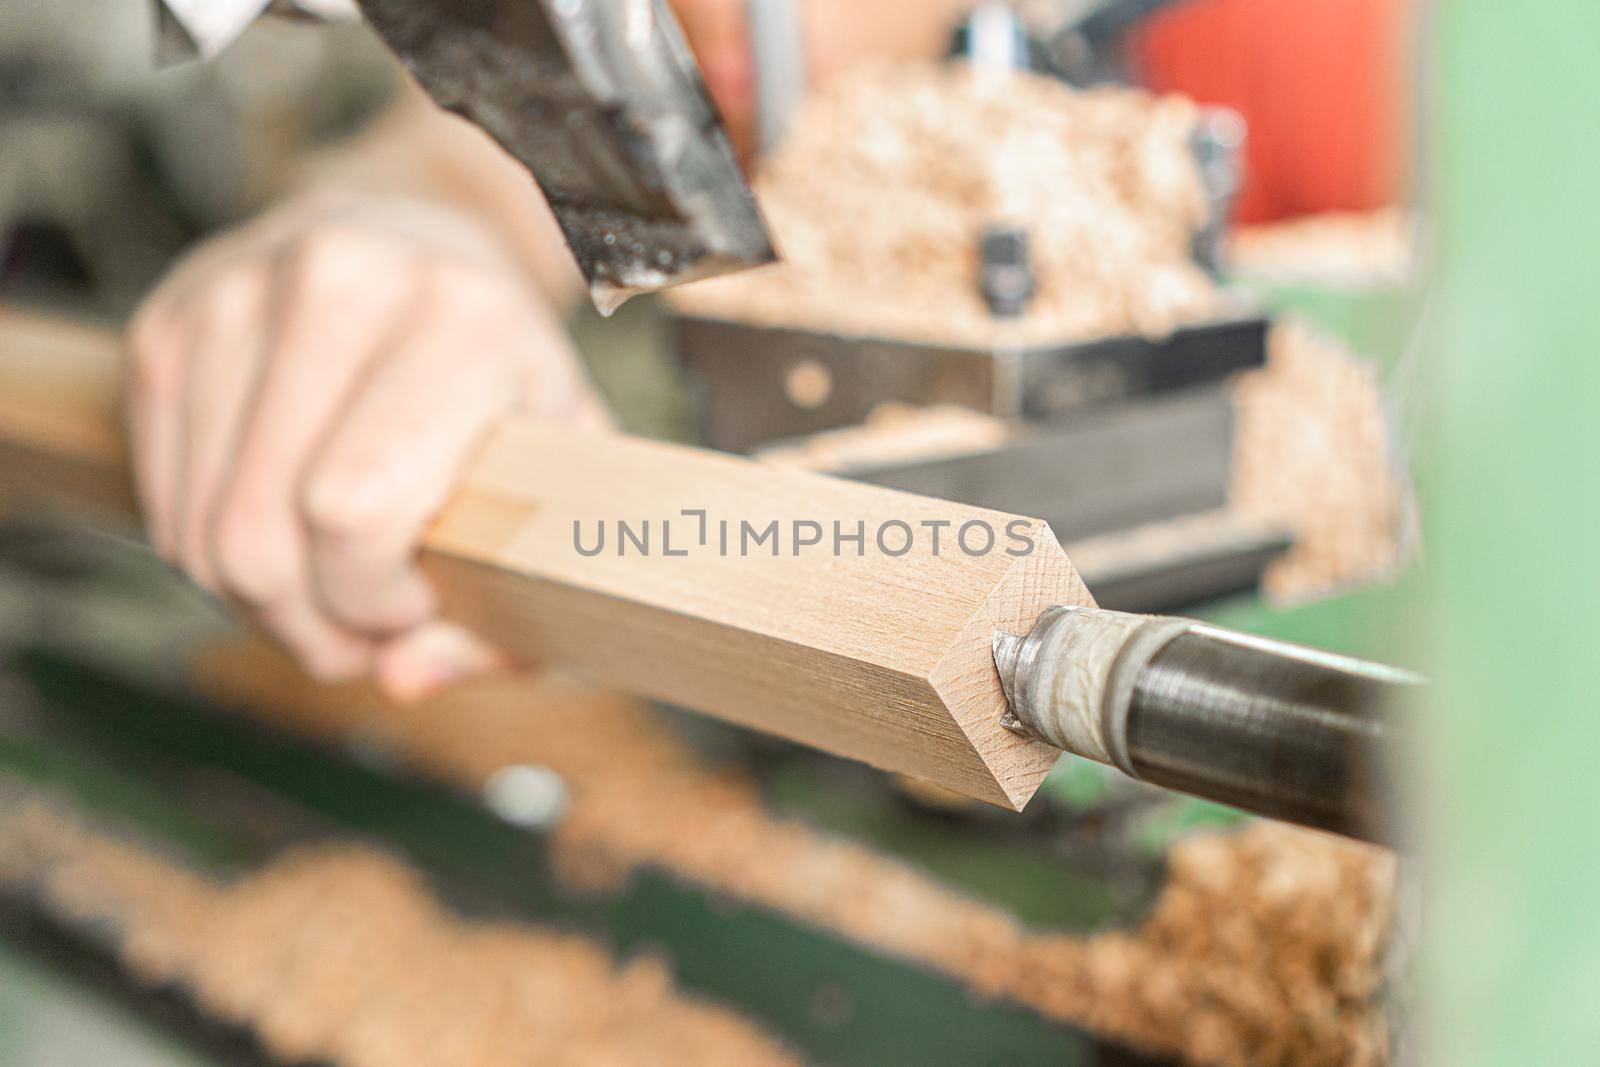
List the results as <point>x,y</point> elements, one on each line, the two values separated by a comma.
<point>302,394</point>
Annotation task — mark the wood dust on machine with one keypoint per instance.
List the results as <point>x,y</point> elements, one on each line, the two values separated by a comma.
<point>1266,948</point>
<point>342,954</point>
<point>1106,185</point>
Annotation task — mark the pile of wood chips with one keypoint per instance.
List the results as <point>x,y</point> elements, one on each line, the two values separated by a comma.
<point>889,176</point>
<point>890,433</point>
<point>341,954</point>
<point>1312,452</point>
<point>1339,248</point>
<point>1266,947</point>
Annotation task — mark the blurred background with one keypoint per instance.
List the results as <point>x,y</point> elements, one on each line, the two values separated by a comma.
<point>1277,312</point>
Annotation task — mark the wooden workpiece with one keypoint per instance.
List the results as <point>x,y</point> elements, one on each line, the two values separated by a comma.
<point>880,658</point>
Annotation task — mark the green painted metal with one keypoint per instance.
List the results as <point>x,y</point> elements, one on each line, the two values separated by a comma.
<point>1512,495</point>
<point>1368,622</point>
<point>1374,320</point>
<point>49,1020</point>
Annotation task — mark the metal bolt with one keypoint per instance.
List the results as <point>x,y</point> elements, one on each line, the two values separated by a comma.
<point>526,795</point>
<point>1004,275</point>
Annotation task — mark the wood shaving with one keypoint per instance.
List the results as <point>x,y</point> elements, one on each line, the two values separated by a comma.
<point>891,432</point>
<point>1265,948</point>
<point>1351,248</point>
<point>1312,453</point>
<point>881,190</point>
<point>341,954</point>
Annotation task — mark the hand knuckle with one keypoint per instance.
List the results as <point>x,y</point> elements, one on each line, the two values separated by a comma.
<point>474,292</point>
<point>332,256</point>
<point>235,293</point>
<point>344,498</point>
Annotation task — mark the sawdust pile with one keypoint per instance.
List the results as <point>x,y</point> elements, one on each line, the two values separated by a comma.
<point>1312,452</point>
<point>1266,948</point>
<point>1351,248</point>
<point>881,190</point>
<point>891,432</point>
<point>341,954</point>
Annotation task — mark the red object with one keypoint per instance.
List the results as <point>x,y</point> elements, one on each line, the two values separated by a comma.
<point>1321,83</point>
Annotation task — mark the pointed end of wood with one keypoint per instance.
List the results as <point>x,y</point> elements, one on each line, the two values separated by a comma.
<point>969,683</point>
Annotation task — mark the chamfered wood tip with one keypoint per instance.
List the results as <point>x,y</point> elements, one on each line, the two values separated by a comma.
<point>969,684</point>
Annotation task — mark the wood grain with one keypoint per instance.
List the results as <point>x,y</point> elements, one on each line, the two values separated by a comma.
<point>60,418</point>
<point>876,657</point>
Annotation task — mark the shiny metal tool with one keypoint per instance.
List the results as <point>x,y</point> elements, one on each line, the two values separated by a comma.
<point>603,103</point>
<point>1273,728</point>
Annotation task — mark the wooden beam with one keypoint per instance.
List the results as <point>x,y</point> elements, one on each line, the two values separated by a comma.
<point>60,415</point>
<point>707,591</point>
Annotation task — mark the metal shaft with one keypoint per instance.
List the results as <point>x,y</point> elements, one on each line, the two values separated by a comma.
<point>1273,728</point>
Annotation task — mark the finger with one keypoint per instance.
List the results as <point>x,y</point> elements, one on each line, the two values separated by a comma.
<point>394,457</point>
<point>556,383</point>
<point>222,369</point>
<point>334,303</point>
<point>158,341</point>
<point>559,389</point>
<point>430,657</point>
<point>324,651</point>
